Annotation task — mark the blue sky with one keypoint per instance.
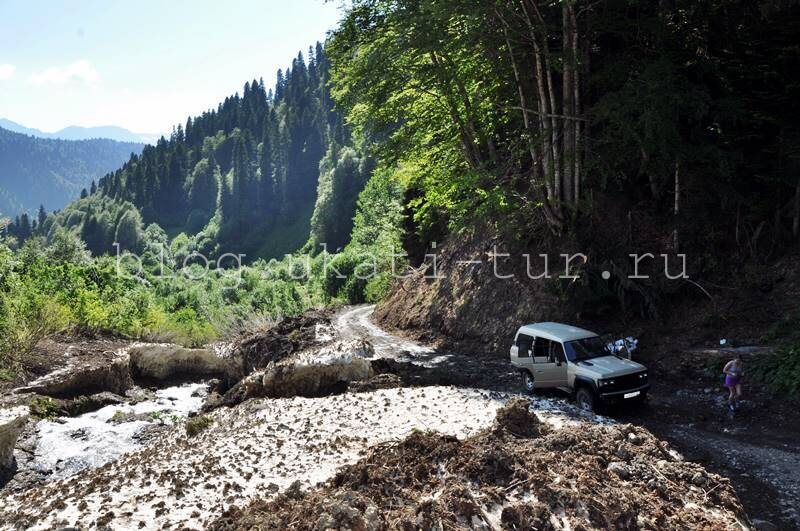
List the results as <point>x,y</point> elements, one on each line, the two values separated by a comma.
<point>143,65</point>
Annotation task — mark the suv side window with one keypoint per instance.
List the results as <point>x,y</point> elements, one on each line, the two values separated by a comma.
<point>556,352</point>
<point>524,345</point>
<point>541,350</point>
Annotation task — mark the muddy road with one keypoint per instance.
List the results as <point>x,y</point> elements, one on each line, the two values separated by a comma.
<point>758,449</point>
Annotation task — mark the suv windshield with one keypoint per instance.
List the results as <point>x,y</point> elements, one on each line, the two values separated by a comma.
<point>586,348</point>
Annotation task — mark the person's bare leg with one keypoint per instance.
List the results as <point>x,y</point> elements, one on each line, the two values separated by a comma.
<point>738,395</point>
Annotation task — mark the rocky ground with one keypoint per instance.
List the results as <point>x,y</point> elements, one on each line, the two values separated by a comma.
<point>520,473</point>
<point>277,422</point>
<point>758,448</point>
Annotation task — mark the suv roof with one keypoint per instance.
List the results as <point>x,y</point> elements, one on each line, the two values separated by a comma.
<point>556,331</point>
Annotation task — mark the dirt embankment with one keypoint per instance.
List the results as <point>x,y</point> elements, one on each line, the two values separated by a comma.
<point>463,301</point>
<point>518,474</point>
<point>466,305</point>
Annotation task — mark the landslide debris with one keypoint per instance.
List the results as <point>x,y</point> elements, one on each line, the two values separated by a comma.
<point>515,475</point>
<point>316,372</point>
<point>289,336</point>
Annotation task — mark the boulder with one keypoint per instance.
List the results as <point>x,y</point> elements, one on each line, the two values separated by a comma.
<point>11,423</point>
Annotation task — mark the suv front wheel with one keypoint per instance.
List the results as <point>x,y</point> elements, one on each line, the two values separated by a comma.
<point>527,382</point>
<point>585,399</point>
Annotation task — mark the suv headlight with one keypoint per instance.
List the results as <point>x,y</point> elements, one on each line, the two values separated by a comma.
<point>643,375</point>
<point>604,383</point>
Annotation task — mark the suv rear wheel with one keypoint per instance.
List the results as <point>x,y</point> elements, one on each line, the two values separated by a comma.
<point>527,382</point>
<point>585,400</point>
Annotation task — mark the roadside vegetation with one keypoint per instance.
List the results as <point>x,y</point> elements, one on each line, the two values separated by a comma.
<point>54,286</point>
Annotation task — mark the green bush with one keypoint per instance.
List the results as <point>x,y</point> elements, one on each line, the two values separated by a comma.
<point>27,315</point>
<point>780,370</point>
<point>45,408</point>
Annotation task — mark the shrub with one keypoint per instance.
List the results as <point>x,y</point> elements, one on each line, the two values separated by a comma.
<point>780,370</point>
<point>45,408</point>
<point>27,316</point>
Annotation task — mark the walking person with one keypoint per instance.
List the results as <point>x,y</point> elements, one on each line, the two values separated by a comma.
<point>734,371</point>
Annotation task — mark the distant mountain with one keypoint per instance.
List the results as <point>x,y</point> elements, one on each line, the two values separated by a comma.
<point>75,132</point>
<point>53,172</point>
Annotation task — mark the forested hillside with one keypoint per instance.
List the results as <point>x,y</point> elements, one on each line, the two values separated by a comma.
<point>603,128</point>
<point>36,171</point>
<point>240,178</point>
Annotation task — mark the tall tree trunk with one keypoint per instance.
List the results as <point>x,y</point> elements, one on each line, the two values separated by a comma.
<point>546,101</point>
<point>796,220</point>
<point>567,93</point>
<point>677,204</point>
<point>523,100</point>
<point>545,124</point>
<point>467,138</point>
<point>474,131</point>
<point>576,109</point>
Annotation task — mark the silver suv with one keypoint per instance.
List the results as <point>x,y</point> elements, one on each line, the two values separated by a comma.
<point>555,355</point>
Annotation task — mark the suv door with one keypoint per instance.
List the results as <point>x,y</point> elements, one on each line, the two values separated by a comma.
<point>559,359</point>
<point>549,367</point>
<point>522,350</point>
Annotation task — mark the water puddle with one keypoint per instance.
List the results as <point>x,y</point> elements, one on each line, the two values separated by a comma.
<point>69,444</point>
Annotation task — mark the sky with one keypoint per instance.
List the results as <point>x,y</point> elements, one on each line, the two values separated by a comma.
<point>144,65</point>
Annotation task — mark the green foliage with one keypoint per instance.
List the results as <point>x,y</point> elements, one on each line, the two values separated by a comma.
<point>232,178</point>
<point>45,408</point>
<point>66,247</point>
<point>780,370</point>
<point>195,425</point>
<point>363,271</point>
<point>163,418</point>
<point>342,176</point>
<point>129,231</point>
<point>28,313</point>
<point>705,90</point>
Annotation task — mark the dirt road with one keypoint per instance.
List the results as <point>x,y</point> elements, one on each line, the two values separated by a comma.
<point>758,450</point>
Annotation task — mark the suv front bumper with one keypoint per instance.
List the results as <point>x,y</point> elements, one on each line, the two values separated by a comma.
<point>616,395</point>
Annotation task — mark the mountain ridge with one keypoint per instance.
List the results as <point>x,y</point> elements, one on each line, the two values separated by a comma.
<point>77,132</point>
<point>52,172</point>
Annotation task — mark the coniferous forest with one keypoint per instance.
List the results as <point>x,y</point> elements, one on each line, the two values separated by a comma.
<point>239,178</point>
